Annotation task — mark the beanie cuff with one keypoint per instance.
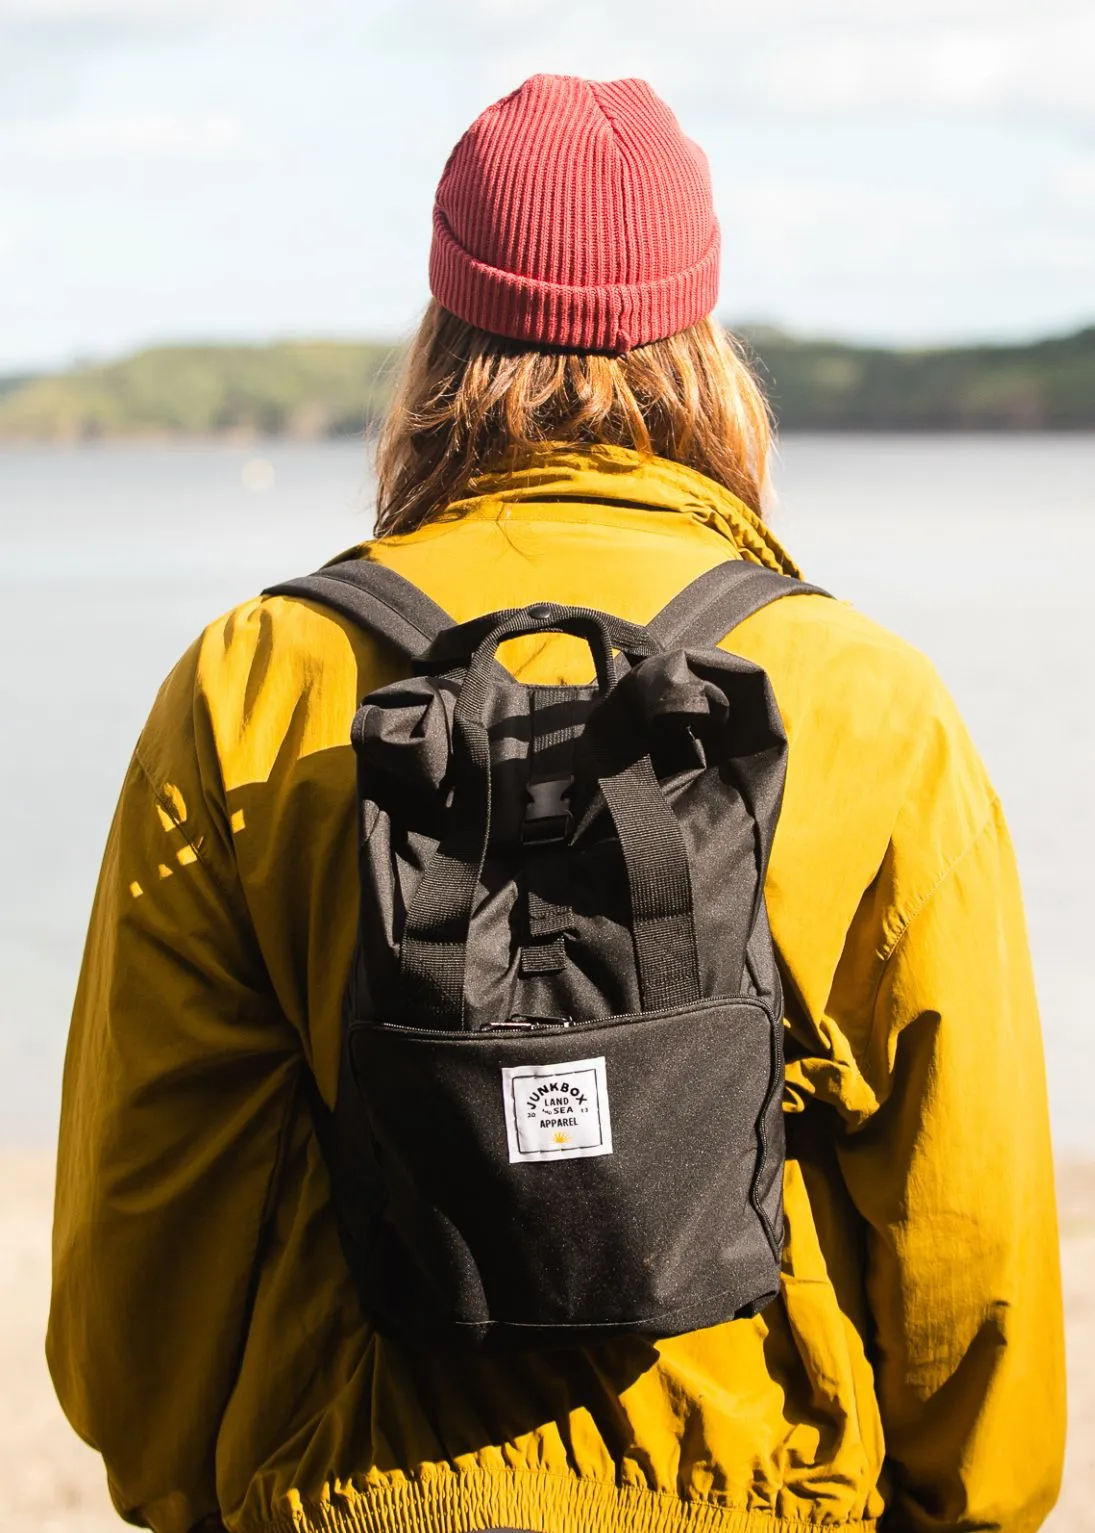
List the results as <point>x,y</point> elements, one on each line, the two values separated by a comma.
<point>607,317</point>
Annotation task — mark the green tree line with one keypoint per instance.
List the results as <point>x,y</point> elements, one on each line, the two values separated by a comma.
<point>1048,385</point>
<point>317,389</point>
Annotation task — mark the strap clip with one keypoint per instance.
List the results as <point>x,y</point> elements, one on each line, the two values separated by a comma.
<point>547,814</point>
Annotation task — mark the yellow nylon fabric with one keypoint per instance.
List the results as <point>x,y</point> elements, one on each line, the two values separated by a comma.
<point>204,1333</point>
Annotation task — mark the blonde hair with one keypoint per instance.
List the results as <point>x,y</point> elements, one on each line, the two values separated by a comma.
<point>469,403</point>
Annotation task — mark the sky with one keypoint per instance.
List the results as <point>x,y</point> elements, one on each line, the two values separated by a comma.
<point>897,171</point>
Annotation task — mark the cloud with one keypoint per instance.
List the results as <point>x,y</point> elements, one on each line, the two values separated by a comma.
<point>49,48</point>
<point>144,12</point>
<point>997,67</point>
<point>146,136</point>
<point>1074,182</point>
<point>971,57</point>
<point>903,169</point>
<point>974,57</point>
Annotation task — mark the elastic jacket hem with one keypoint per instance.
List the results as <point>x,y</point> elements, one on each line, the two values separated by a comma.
<point>533,1501</point>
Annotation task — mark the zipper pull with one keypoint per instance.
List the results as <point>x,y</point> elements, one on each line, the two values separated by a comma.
<point>523,1024</point>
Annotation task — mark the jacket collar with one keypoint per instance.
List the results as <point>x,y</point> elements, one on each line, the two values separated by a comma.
<point>598,480</point>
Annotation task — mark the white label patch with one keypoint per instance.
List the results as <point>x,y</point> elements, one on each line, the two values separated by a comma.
<point>557,1112</point>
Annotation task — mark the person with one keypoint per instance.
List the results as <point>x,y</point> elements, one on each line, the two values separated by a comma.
<point>571,425</point>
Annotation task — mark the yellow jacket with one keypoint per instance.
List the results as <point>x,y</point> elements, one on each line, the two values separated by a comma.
<point>204,1334</point>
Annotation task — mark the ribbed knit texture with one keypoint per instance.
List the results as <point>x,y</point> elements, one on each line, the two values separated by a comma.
<point>575,213</point>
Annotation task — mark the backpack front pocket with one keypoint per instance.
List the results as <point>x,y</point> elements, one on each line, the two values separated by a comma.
<point>597,1178</point>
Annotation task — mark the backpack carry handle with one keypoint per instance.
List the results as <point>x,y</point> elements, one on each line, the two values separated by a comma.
<point>600,630</point>
<point>458,644</point>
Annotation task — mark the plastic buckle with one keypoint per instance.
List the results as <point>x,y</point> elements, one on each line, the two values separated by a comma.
<point>547,814</point>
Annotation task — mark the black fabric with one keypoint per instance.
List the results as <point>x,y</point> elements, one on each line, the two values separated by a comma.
<point>460,642</point>
<point>653,848</point>
<point>559,1113</point>
<point>376,598</point>
<point>716,780</point>
<point>662,1235</point>
<point>545,832</point>
<point>436,932</point>
<point>709,609</point>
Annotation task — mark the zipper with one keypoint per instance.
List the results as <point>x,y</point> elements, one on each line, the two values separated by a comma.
<point>524,1024</point>
<point>549,1025</point>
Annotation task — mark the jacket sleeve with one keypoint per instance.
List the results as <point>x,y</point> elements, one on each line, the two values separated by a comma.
<point>953,1175</point>
<point>179,1080</point>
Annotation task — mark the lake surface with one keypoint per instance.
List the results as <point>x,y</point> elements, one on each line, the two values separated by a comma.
<point>980,550</point>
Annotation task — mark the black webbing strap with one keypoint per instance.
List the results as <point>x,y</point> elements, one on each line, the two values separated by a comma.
<point>714,604</point>
<point>434,947</point>
<point>545,832</point>
<point>660,886</point>
<point>457,644</point>
<point>376,598</point>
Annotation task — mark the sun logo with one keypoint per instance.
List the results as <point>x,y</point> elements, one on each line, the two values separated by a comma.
<point>561,1138</point>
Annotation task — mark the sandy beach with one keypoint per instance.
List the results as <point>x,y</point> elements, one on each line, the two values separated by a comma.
<point>54,1484</point>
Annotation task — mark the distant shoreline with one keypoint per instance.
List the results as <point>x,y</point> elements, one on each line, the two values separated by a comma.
<point>254,445</point>
<point>320,390</point>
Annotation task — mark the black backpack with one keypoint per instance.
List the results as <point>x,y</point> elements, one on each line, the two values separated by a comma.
<point>559,1108</point>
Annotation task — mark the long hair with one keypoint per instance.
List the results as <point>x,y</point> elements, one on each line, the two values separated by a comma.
<point>469,403</point>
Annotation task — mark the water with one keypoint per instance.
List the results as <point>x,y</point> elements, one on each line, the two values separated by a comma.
<point>980,550</point>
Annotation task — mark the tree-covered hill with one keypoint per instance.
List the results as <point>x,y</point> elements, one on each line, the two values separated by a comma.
<point>314,389</point>
<point>304,389</point>
<point>822,385</point>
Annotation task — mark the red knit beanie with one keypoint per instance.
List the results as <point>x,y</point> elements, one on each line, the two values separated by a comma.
<point>575,213</point>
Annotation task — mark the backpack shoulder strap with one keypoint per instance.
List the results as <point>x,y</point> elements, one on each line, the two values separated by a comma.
<point>376,599</point>
<point>717,601</point>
